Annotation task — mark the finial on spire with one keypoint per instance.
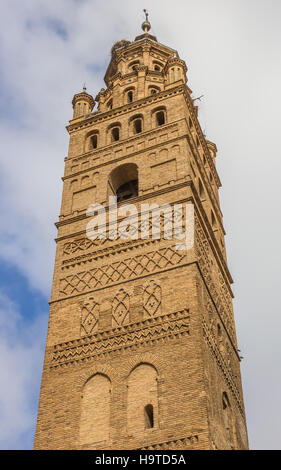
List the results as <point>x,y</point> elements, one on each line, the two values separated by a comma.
<point>146,25</point>
<point>84,87</point>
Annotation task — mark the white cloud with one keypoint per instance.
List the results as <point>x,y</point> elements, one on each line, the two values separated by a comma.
<point>21,354</point>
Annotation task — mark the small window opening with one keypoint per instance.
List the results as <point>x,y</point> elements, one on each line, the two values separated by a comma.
<point>148,417</point>
<point>94,141</point>
<point>137,125</point>
<point>226,411</point>
<point>227,418</point>
<point>110,104</point>
<point>190,123</point>
<point>129,96</point>
<point>153,91</point>
<point>115,134</point>
<point>160,118</point>
<point>133,65</point>
<point>224,407</point>
<point>157,68</point>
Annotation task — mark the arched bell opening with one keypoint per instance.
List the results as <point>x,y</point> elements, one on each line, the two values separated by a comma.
<point>123,182</point>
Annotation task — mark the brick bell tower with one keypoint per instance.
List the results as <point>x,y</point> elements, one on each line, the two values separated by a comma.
<point>141,350</point>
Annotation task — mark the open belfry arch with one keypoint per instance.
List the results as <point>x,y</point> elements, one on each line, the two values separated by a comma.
<point>141,350</point>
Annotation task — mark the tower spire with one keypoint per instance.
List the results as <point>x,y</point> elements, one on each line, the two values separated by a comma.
<point>146,24</point>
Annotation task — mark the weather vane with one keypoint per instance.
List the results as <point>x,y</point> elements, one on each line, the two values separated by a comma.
<point>146,25</point>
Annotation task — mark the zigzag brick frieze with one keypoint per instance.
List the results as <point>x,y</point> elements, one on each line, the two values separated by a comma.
<point>182,443</point>
<point>126,337</point>
<point>82,244</point>
<point>112,250</point>
<point>129,268</point>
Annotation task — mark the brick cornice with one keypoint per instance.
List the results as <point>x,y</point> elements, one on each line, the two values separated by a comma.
<point>197,202</point>
<point>148,100</point>
<point>133,138</point>
<point>132,201</point>
<point>170,326</point>
<point>98,117</point>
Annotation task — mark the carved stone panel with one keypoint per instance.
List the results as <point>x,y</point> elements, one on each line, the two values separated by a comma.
<point>89,317</point>
<point>120,308</point>
<point>151,299</point>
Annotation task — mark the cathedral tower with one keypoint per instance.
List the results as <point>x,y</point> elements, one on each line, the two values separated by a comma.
<point>141,350</point>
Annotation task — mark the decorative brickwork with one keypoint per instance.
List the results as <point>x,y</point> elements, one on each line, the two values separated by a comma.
<point>120,271</point>
<point>117,340</point>
<point>222,364</point>
<point>151,299</point>
<point>141,350</point>
<point>89,317</point>
<point>120,308</point>
<point>190,442</point>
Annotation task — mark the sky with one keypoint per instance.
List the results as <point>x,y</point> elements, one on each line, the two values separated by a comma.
<point>47,51</point>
